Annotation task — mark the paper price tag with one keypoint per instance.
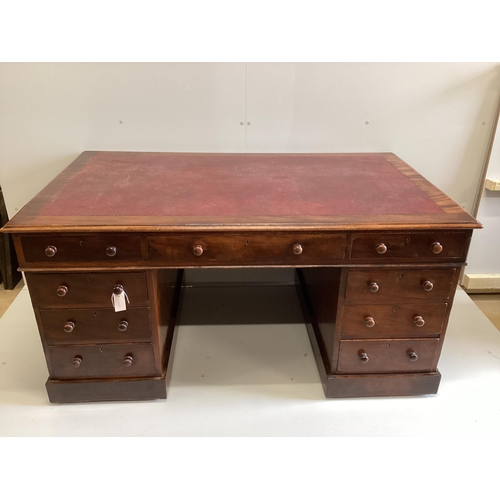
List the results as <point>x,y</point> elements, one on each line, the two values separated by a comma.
<point>119,301</point>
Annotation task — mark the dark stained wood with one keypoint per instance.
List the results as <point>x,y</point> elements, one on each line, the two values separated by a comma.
<point>118,389</point>
<point>411,246</point>
<point>392,320</point>
<point>138,219</point>
<point>234,248</point>
<point>324,292</point>
<point>387,356</point>
<point>86,289</point>
<point>360,385</point>
<point>81,248</point>
<point>399,285</point>
<point>102,361</point>
<point>93,326</point>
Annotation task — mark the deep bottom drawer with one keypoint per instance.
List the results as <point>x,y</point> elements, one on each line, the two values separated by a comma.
<point>387,356</point>
<point>102,361</point>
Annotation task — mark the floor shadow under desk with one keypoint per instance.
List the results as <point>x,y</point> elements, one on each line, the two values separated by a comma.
<point>253,337</point>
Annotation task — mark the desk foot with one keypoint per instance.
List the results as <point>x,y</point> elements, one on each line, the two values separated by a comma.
<point>82,391</point>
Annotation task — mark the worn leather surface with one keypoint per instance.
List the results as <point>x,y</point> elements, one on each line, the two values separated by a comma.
<point>176,184</point>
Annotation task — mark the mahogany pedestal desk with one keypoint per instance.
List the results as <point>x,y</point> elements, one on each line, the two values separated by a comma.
<point>378,252</point>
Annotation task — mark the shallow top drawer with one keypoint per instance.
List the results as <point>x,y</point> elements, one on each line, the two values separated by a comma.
<point>106,248</point>
<point>247,249</point>
<point>49,290</point>
<point>433,246</point>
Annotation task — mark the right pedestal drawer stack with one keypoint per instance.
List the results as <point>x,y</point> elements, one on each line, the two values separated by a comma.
<point>392,319</point>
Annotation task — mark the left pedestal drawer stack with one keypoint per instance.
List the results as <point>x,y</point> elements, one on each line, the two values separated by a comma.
<point>95,353</point>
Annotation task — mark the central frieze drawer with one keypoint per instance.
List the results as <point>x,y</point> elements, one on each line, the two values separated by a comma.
<point>387,356</point>
<point>85,289</point>
<point>108,248</point>
<point>431,246</point>
<point>80,326</point>
<point>269,248</point>
<point>102,361</point>
<point>399,285</point>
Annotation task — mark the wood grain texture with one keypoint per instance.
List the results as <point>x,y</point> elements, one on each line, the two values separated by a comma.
<point>387,355</point>
<point>86,289</point>
<point>399,286</point>
<point>392,321</point>
<point>96,326</point>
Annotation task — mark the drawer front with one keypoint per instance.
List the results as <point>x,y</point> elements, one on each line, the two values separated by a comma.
<point>432,246</point>
<point>107,248</point>
<point>81,326</point>
<point>85,289</point>
<point>399,285</point>
<point>387,356</point>
<point>388,321</point>
<point>250,248</point>
<point>104,361</point>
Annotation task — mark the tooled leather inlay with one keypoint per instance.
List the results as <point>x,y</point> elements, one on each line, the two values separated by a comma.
<point>176,184</point>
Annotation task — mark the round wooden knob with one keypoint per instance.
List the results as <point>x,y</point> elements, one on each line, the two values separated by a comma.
<point>428,285</point>
<point>77,361</point>
<point>50,251</point>
<point>419,321</point>
<point>123,325</point>
<point>69,326</point>
<point>297,249</point>
<point>128,360</point>
<point>111,251</point>
<point>62,290</point>
<point>381,248</point>
<point>412,356</point>
<point>369,322</point>
<point>373,287</point>
<point>198,250</point>
<point>437,247</point>
<point>363,357</point>
<point>118,289</point>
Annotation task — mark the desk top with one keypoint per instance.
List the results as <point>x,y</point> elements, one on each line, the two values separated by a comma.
<point>127,191</point>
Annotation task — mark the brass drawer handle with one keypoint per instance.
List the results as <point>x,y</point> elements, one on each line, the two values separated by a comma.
<point>50,251</point>
<point>419,321</point>
<point>62,290</point>
<point>69,326</point>
<point>198,250</point>
<point>123,325</point>
<point>363,357</point>
<point>128,360</point>
<point>369,322</point>
<point>111,251</point>
<point>297,249</point>
<point>428,285</point>
<point>77,361</point>
<point>118,289</point>
<point>412,355</point>
<point>373,287</point>
<point>437,247</point>
<point>381,248</point>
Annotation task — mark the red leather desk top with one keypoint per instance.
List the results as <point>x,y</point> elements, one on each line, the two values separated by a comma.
<point>127,191</point>
<point>142,184</point>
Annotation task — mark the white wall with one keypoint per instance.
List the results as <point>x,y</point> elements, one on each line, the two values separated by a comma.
<point>484,254</point>
<point>435,116</point>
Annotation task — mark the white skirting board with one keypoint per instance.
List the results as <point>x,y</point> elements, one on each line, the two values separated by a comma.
<point>482,283</point>
<point>254,379</point>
